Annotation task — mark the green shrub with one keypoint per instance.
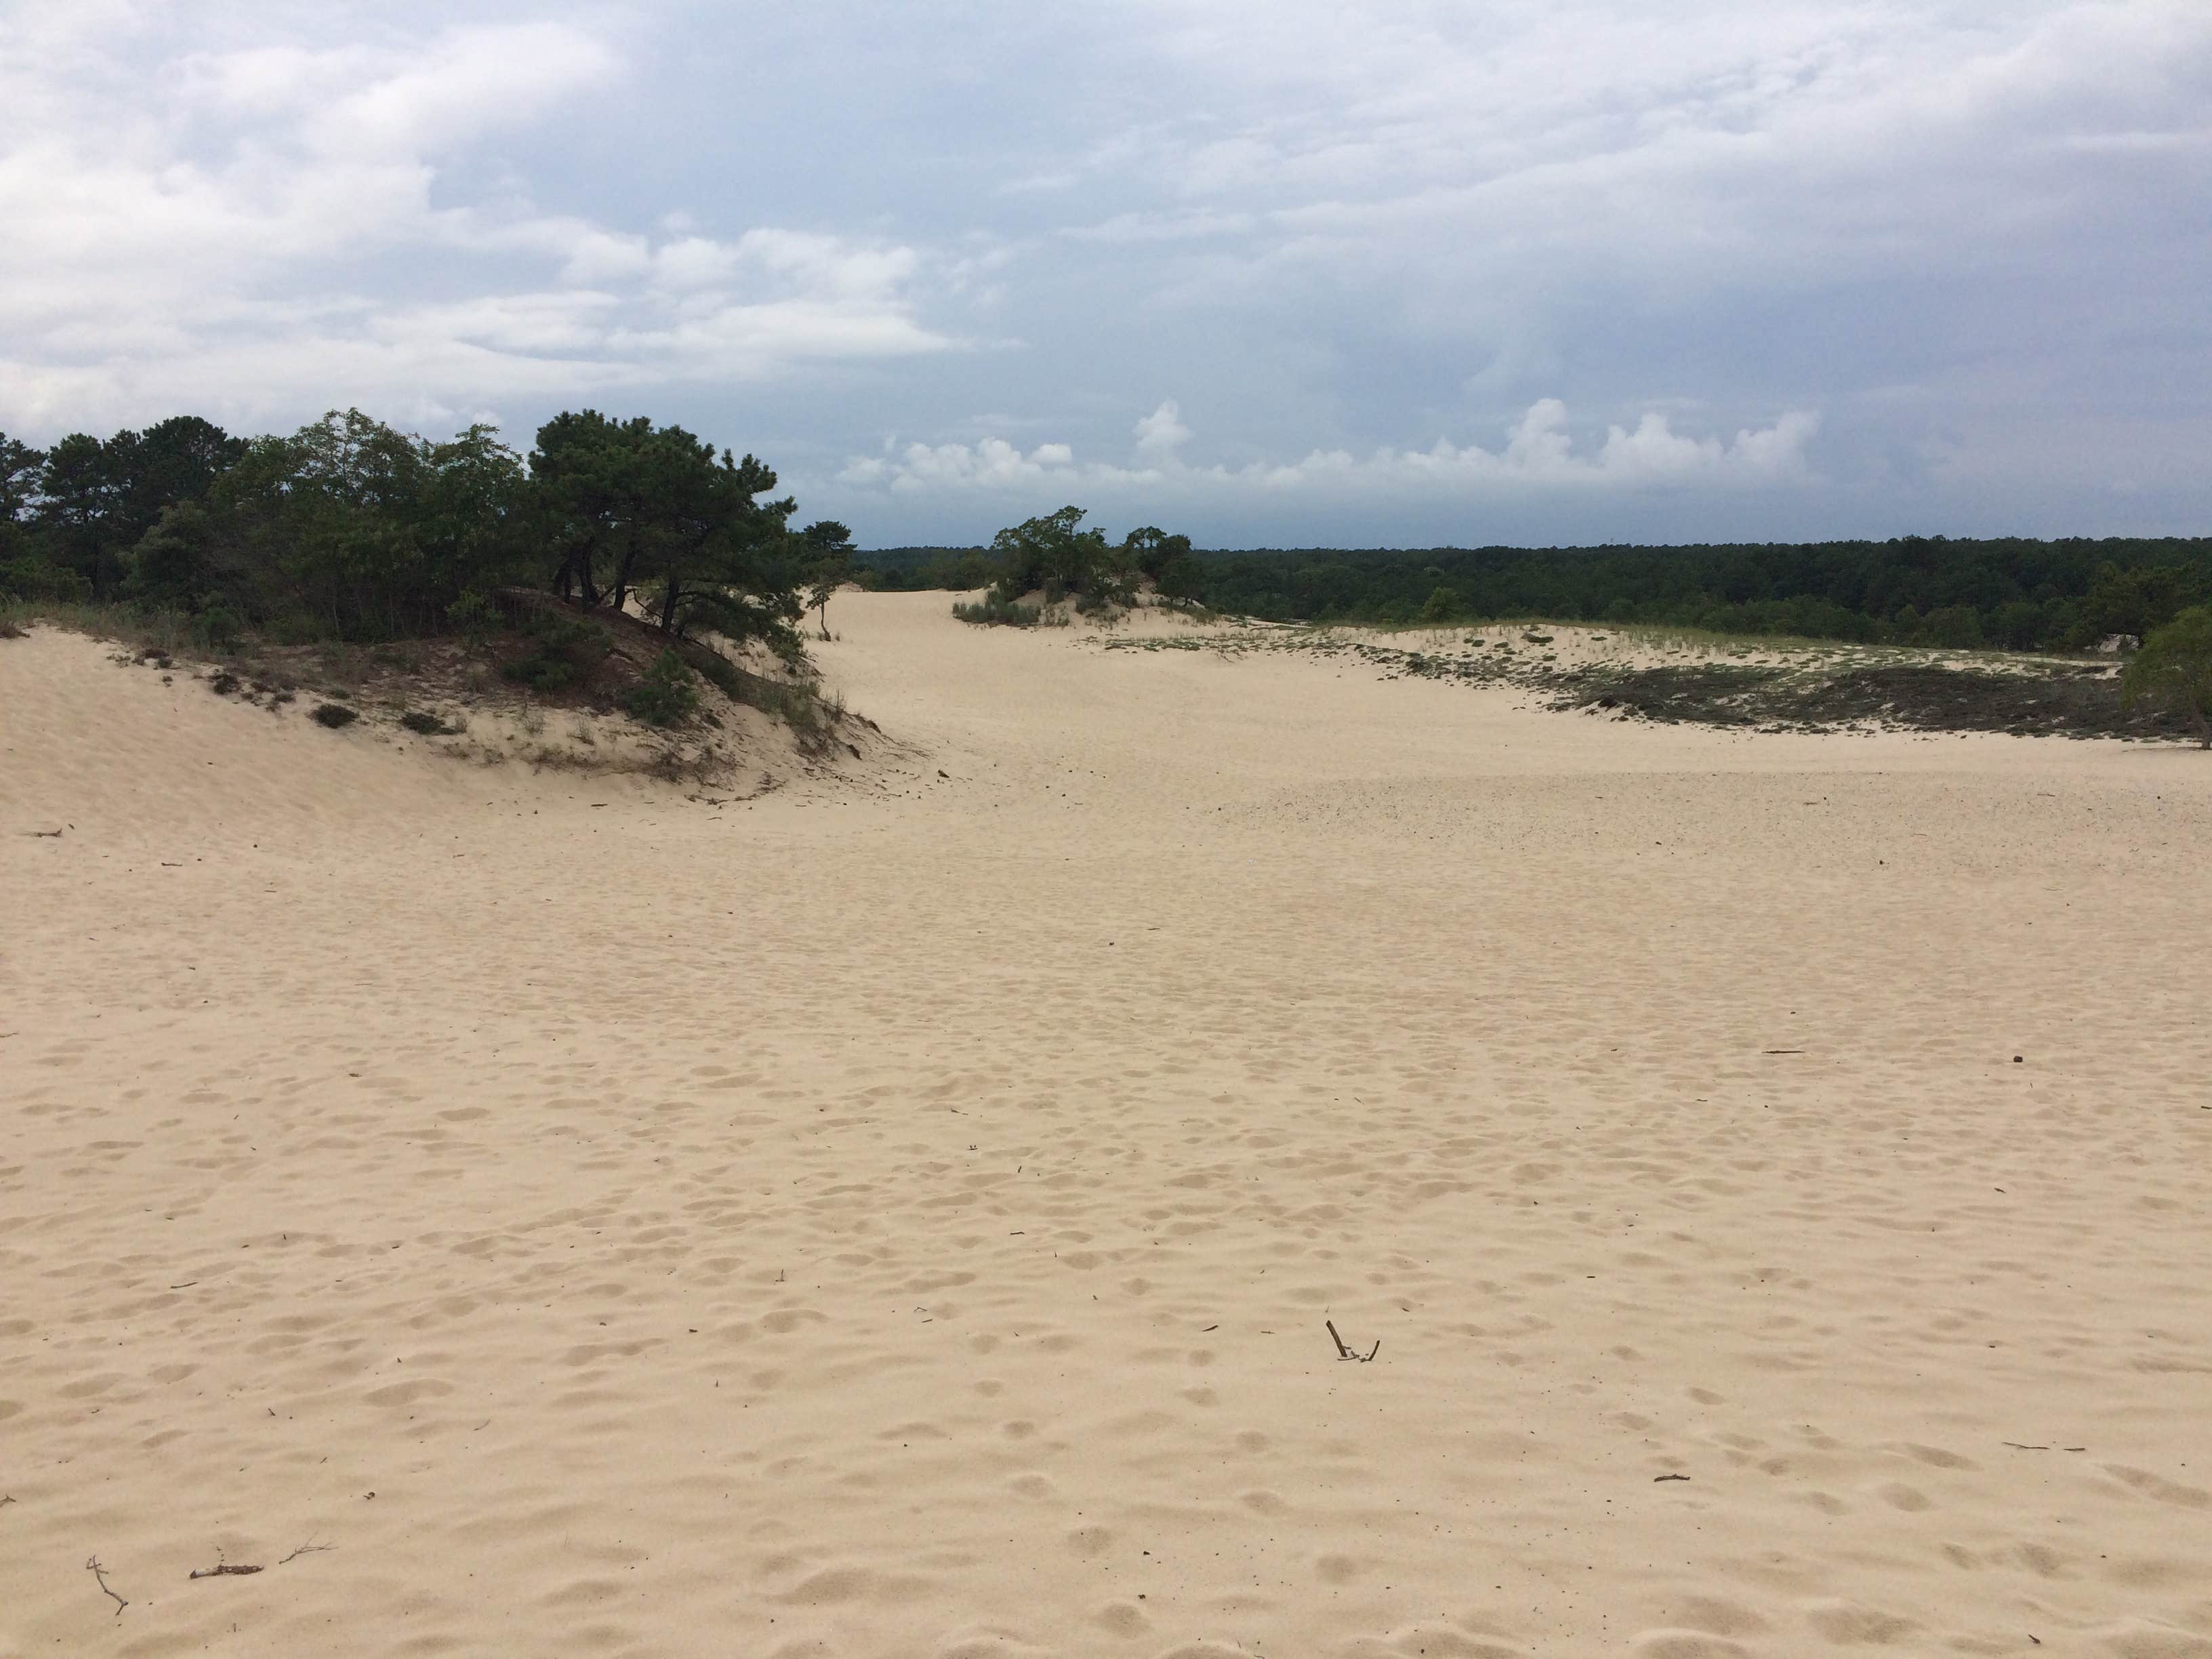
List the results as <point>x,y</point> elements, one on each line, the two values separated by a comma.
<point>471,614</point>
<point>335,714</point>
<point>666,696</point>
<point>2175,667</point>
<point>218,628</point>
<point>567,649</point>
<point>993,612</point>
<point>428,725</point>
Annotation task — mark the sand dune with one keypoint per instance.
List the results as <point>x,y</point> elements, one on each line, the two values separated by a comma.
<point>897,1216</point>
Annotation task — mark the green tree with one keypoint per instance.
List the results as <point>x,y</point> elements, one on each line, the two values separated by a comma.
<point>717,557</point>
<point>172,461</point>
<point>2174,668</point>
<point>829,565</point>
<point>76,501</point>
<point>2132,601</point>
<point>20,469</point>
<point>1051,553</point>
<point>174,564</point>
<point>1150,550</point>
<point>588,481</point>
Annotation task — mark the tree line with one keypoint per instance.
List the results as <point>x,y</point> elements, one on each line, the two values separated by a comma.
<point>2011,592</point>
<point>348,529</point>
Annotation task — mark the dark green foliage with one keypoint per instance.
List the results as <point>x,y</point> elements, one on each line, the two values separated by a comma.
<point>828,559</point>
<point>564,649</point>
<point>224,685</point>
<point>1927,590</point>
<point>335,714</point>
<point>1051,554</point>
<point>632,507</point>
<point>366,533</point>
<point>19,466</point>
<point>1709,695</point>
<point>2174,668</point>
<point>1925,697</point>
<point>427,725</point>
<point>349,530</point>
<point>2135,601</point>
<point>996,612</point>
<point>667,694</point>
<point>26,574</point>
<point>1152,552</point>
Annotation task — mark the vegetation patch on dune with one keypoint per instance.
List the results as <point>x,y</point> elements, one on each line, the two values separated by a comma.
<point>1827,689</point>
<point>620,570</point>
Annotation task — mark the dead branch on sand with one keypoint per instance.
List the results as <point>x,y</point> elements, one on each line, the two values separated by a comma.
<point>1346,1352</point>
<point>94,1567</point>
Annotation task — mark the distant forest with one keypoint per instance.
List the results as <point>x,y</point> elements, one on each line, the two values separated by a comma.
<point>2007,593</point>
<point>348,529</point>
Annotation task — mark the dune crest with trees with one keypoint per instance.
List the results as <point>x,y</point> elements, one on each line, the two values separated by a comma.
<point>620,566</point>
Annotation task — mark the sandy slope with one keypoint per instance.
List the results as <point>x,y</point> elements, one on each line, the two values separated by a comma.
<point>899,1218</point>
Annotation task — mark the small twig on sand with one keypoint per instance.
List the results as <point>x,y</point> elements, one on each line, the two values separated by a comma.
<point>1781,1051</point>
<point>1343,1352</point>
<point>1656,1478</point>
<point>222,1570</point>
<point>2017,1446</point>
<point>310,1548</point>
<point>94,1567</point>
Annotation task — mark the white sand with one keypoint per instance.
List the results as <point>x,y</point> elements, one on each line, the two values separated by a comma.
<point>900,1221</point>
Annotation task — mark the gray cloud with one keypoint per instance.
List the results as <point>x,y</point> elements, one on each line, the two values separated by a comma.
<point>1797,268</point>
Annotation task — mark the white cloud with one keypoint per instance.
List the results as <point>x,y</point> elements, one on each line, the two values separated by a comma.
<point>262,231</point>
<point>1539,453</point>
<point>1162,431</point>
<point>994,464</point>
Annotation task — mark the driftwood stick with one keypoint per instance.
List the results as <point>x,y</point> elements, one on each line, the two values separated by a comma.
<point>1342,1353</point>
<point>222,1570</point>
<point>94,1567</point>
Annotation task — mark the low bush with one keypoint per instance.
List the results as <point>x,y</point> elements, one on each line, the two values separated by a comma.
<point>218,628</point>
<point>992,612</point>
<point>565,648</point>
<point>335,714</point>
<point>668,694</point>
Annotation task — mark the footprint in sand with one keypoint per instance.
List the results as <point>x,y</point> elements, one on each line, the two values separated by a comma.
<point>1848,1624</point>
<point>1124,1619</point>
<point>2158,1486</point>
<point>1685,1645</point>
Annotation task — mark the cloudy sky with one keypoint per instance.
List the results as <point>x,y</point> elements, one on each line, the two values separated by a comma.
<point>1274,271</point>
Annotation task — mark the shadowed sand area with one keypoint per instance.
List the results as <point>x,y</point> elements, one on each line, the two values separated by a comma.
<point>898,1216</point>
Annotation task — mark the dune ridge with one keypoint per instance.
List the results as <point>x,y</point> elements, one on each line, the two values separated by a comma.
<point>898,1214</point>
